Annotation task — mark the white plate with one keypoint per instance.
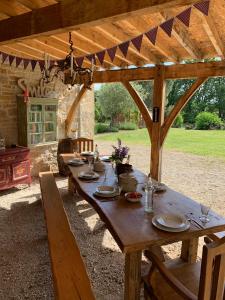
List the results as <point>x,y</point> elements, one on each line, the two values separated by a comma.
<point>105,158</point>
<point>106,195</point>
<point>159,226</point>
<point>88,175</point>
<point>75,162</point>
<point>87,153</point>
<point>105,189</point>
<point>171,220</point>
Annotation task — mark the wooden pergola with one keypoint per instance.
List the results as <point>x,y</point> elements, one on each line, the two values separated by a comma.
<point>29,29</point>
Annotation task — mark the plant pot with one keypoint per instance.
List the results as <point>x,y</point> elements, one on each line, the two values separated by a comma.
<point>123,168</point>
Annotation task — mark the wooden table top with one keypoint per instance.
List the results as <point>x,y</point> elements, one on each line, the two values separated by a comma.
<point>129,224</point>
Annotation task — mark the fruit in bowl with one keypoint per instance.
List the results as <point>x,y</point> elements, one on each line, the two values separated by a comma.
<point>133,196</point>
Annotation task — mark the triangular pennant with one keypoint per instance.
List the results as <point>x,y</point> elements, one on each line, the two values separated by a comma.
<point>203,6</point>
<point>137,42</point>
<point>79,61</point>
<point>33,64</point>
<point>112,52</point>
<point>184,17</point>
<point>151,35</point>
<point>4,57</point>
<point>18,61</point>
<point>11,59</point>
<point>25,63</point>
<point>101,55</point>
<point>167,26</point>
<point>91,58</point>
<point>41,64</point>
<point>124,48</point>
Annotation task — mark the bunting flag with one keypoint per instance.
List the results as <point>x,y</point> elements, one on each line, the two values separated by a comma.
<point>151,35</point>
<point>41,64</point>
<point>33,64</point>
<point>79,61</point>
<point>124,48</point>
<point>101,55</point>
<point>185,16</point>
<point>11,59</point>
<point>18,61</point>
<point>167,26</point>
<point>91,58</point>
<point>203,7</point>
<point>137,42</point>
<point>25,63</point>
<point>4,57</point>
<point>112,52</point>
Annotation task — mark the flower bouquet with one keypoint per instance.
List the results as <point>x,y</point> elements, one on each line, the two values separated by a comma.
<point>118,156</point>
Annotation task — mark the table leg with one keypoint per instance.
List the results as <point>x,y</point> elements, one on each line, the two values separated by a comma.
<point>189,250</point>
<point>70,185</point>
<point>132,276</point>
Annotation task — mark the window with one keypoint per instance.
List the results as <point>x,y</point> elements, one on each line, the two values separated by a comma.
<point>42,122</point>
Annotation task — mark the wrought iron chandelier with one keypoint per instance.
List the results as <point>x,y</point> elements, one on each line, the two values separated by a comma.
<point>67,70</point>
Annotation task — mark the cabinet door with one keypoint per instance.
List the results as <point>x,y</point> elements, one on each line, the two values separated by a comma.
<point>4,176</point>
<point>20,170</point>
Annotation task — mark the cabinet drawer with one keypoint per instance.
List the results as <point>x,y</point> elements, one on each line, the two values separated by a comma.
<point>14,157</point>
<point>4,175</point>
<point>20,170</point>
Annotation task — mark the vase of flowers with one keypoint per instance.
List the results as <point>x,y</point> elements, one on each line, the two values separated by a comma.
<point>121,159</point>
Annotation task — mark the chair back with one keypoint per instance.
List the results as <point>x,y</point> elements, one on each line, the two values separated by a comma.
<point>83,144</point>
<point>211,286</point>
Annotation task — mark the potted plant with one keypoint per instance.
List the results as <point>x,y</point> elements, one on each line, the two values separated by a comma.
<point>121,158</point>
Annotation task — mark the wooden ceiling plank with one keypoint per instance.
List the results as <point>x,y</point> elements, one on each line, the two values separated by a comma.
<point>35,4</point>
<point>22,53</point>
<point>40,47</point>
<point>13,8</point>
<point>182,37</point>
<point>73,13</point>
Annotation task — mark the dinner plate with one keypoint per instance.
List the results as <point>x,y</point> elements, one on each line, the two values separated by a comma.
<point>75,162</point>
<point>87,153</point>
<point>161,227</point>
<point>105,158</point>
<point>106,195</point>
<point>105,189</point>
<point>88,175</point>
<point>171,220</point>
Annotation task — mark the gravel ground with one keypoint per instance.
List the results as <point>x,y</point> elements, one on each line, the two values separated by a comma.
<point>24,259</point>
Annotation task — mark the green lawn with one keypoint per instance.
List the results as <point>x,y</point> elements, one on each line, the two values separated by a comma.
<point>200,142</point>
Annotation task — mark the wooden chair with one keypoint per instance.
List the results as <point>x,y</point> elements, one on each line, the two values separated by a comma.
<point>175,279</point>
<point>83,144</point>
<point>71,281</point>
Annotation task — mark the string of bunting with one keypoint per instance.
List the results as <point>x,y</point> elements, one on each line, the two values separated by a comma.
<point>151,34</point>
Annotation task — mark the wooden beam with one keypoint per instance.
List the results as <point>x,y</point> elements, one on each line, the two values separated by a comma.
<point>73,108</point>
<point>209,69</point>
<point>157,121</point>
<point>141,105</point>
<point>69,14</point>
<point>179,106</point>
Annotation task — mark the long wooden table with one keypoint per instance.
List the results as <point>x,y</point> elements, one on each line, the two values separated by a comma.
<point>132,228</point>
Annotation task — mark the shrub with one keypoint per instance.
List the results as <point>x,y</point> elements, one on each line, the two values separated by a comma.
<point>113,129</point>
<point>179,121</point>
<point>207,120</point>
<point>103,127</point>
<point>127,126</point>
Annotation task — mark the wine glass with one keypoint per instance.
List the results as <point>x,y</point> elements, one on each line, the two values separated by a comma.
<point>205,211</point>
<point>90,165</point>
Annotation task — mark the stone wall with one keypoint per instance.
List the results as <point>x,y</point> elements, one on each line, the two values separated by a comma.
<point>83,120</point>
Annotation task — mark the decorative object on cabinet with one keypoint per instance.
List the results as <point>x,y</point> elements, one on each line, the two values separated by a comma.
<point>37,121</point>
<point>14,167</point>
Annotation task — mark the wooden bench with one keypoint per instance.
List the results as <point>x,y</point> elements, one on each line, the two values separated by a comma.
<point>71,281</point>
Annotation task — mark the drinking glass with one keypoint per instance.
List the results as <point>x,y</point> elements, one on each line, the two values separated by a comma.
<point>149,195</point>
<point>90,165</point>
<point>205,211</point>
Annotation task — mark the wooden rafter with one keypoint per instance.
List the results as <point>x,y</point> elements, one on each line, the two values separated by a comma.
<point>73,108</point>
<point>141,105</point>
<point>209,69</point>
<point>71,13</point>
<point>179,106</point>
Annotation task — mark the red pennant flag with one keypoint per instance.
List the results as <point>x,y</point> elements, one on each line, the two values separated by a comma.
<point>18,61</point>
<point>25,63</point>
<point>167,26</point>
<point>124,48</point>
<point>112,52</point>
<point>4,57</point>
<point>91,58</point>
<point>79,61</point>
<point>33,64</point>
<point>11,59</point>
<point>184,17</point>
<point>101,55</point>
<point>152,34</point>
<point>137,42</point>
<point>203,7</point>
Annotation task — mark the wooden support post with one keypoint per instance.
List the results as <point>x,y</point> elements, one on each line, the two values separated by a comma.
<point>73,108</point>
<point>158,119</point>
<point>141,106</point>
<point>189,250</point>
<point>132,276</point>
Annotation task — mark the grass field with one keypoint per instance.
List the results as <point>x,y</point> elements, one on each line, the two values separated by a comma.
<point>199,142</point>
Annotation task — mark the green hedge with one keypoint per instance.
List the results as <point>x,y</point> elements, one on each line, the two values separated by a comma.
<point>127,126</point>
<point>206,120</point>
<point>103,127</point>
<point>179,122</point>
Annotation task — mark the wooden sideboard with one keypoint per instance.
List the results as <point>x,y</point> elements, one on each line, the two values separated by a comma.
<point>14,167</point>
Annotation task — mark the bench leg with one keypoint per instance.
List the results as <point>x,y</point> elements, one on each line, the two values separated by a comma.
<point>132,275</point>
<point>189,250</point>
<point>71,187</point>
